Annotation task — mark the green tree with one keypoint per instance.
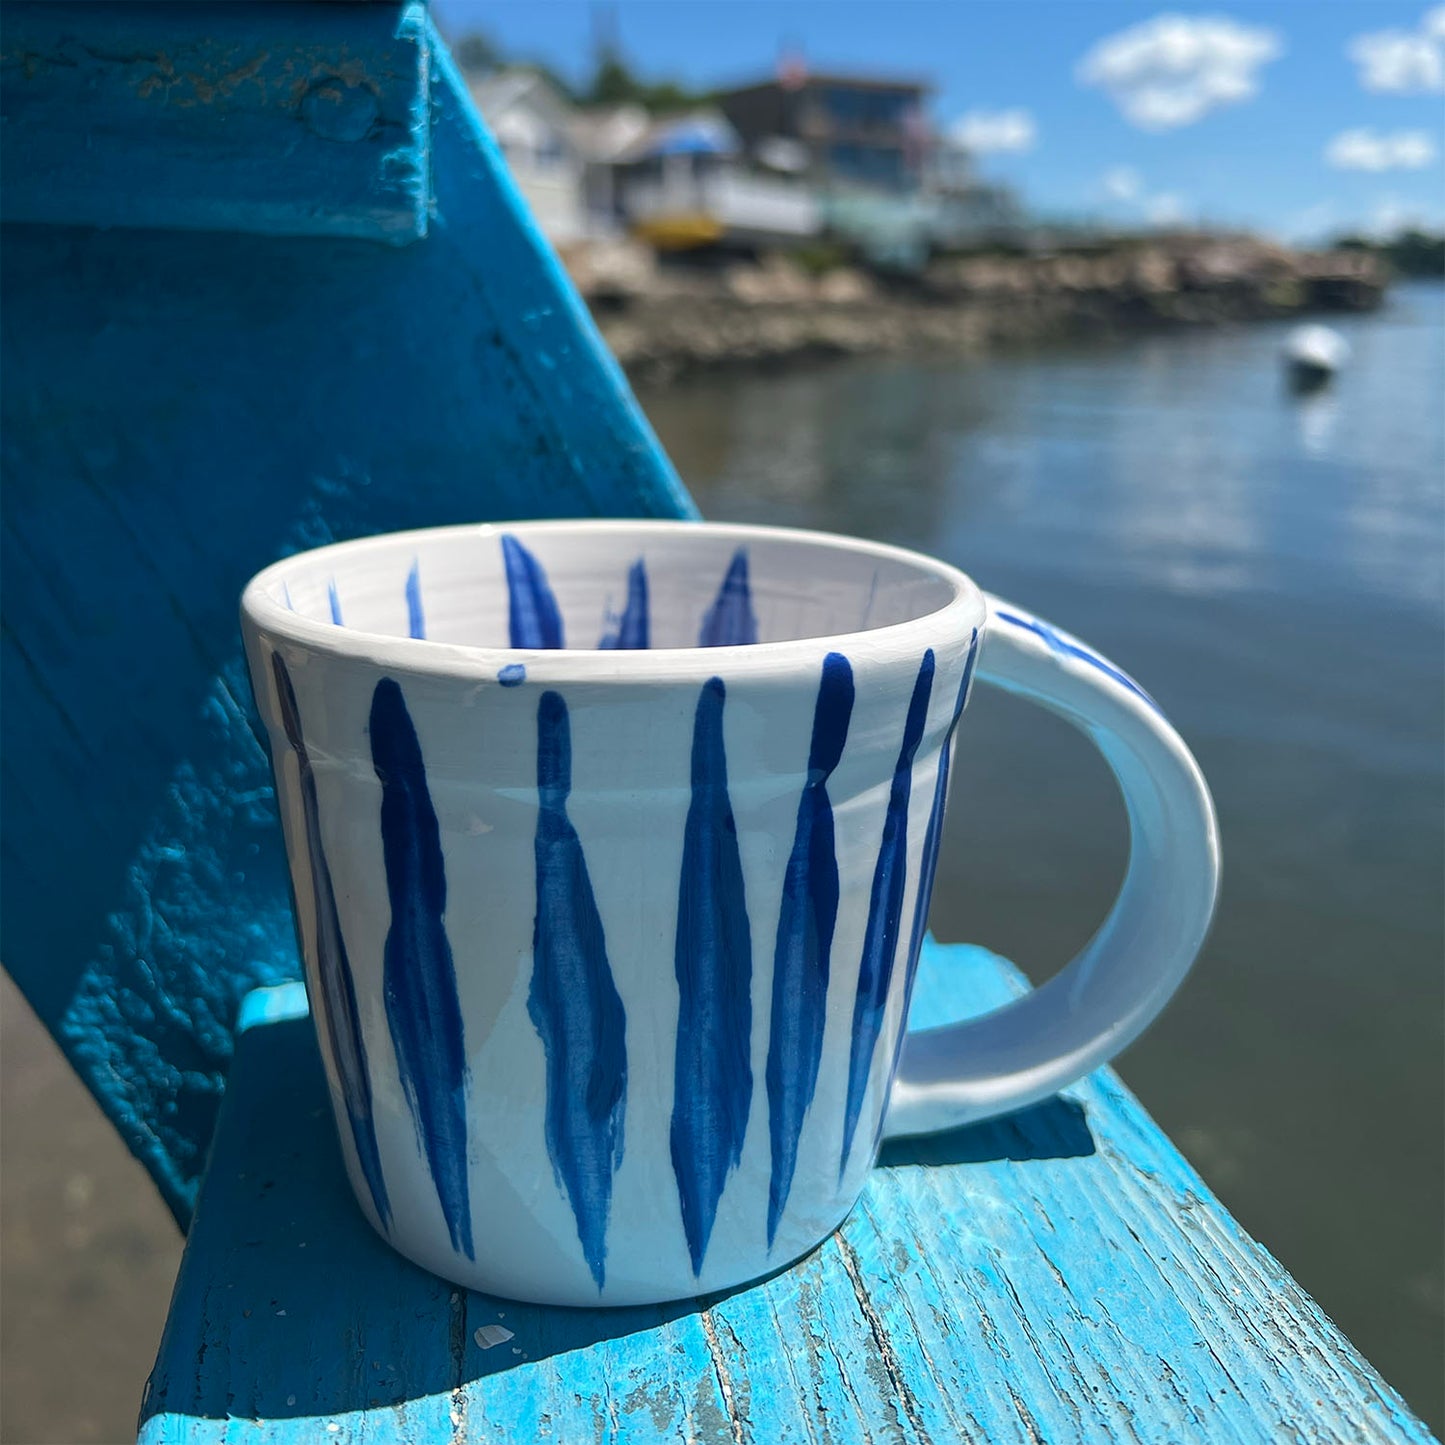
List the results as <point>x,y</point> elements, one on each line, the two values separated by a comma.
<point>614,83</point>
<point>475,52</point>
<point>1412,252</point>
<point>1415,253</point>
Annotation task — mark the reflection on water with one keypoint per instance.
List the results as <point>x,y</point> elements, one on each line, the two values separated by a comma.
<point>1272,568</point>
<point>1318,413</point>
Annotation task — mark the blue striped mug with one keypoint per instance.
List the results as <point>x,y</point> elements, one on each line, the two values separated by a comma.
<point>612,845</point>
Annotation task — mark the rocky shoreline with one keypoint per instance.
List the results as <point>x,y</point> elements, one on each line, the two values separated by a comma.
<point>667,321</point>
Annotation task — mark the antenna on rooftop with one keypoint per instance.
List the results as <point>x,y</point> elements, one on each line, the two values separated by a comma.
<point>606,31</point>
<point>792,67</point>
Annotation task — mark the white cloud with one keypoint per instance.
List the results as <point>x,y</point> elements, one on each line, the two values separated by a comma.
<point>1389,215</point>
<point>1123,183</point>
<point>1168,208</point>
<point>1174,69</point>
<point>1368,150</point>
<point>995,132</point>
<point>1311,224</point>
<point>1404,62</point>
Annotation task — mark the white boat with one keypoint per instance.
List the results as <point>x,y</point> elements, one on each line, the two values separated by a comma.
<point>1313,354</point>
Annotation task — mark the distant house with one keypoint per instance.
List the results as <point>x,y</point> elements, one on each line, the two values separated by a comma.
<point>850,131</point>
<point>604,136</point>
<point>532,122</point>
<point>886,184</point>
<point>680,184</point>
<point>980,213</point>
<point>967,210</point>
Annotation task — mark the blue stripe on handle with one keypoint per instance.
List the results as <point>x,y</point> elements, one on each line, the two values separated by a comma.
<point>340,1016</point>
<point>534,619</point>
<point>573,1002</point>
<point>932,841</point>
<point>1069,647</point>
<point>416,621</point>
<point>885,909</point>
<point>730,621</point>
<point>419,984</point>
<point>335,602</point>
<point>713,1078</point>
<point>801,956</point>
<point>634,628</point>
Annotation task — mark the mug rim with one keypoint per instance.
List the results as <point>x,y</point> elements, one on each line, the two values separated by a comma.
<point>261,611</point>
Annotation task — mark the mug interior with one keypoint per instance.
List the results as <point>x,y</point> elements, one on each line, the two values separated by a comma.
<point>591,585</point>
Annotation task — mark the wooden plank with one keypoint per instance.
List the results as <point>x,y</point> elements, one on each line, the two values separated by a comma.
<point>298,120</point>
<point>1063,1275</point>
<point>179,410</point>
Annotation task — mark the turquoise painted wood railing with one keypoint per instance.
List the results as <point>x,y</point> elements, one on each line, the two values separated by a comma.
<point>180,407</point>
<point>1062,1276</point>
<point>264,283</point>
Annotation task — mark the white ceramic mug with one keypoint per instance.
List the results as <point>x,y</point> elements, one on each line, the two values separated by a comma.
<point>612,844</point>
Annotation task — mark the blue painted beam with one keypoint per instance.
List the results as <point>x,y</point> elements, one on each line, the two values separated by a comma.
<point>1062,1275</point>
<point>298,120</point>
<point>177,410</point>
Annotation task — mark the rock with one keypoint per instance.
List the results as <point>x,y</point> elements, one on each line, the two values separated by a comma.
<point>845,286</point>
<point>777,281</point>
<point>1152,273</point>
<point>619,270</point>
<point>690,317</point>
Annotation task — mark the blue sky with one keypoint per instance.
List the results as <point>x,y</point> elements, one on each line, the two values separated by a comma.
<point>1300,118</point>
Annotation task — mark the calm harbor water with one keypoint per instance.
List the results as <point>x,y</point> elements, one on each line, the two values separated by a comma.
<point>1273,570</point>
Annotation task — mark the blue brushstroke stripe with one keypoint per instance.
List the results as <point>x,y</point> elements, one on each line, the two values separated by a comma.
<point>1057,642</point>
<point>713,1077</point>
<point>419,984</point>
<point>416,622</point>
<point>928,867</point>
<point>730,621</point>
<point>335,602</point>
<point>340,1015</point>
<point>534,619</point>
<point>573,1002</point>
<point>885,909</point>
<point>802,954</point>
<point>634,628</point>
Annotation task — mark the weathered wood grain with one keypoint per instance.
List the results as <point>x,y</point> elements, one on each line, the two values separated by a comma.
<point>1059,1276</point>
<point>217,118</point>
<point>177,410</point>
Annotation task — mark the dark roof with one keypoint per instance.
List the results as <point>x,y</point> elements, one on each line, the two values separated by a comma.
<point>839,78</point>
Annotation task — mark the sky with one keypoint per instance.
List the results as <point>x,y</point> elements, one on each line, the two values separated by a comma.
<point>1301,119</point>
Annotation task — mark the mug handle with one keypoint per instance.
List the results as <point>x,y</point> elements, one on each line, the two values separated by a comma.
<point>1033,1047</point>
